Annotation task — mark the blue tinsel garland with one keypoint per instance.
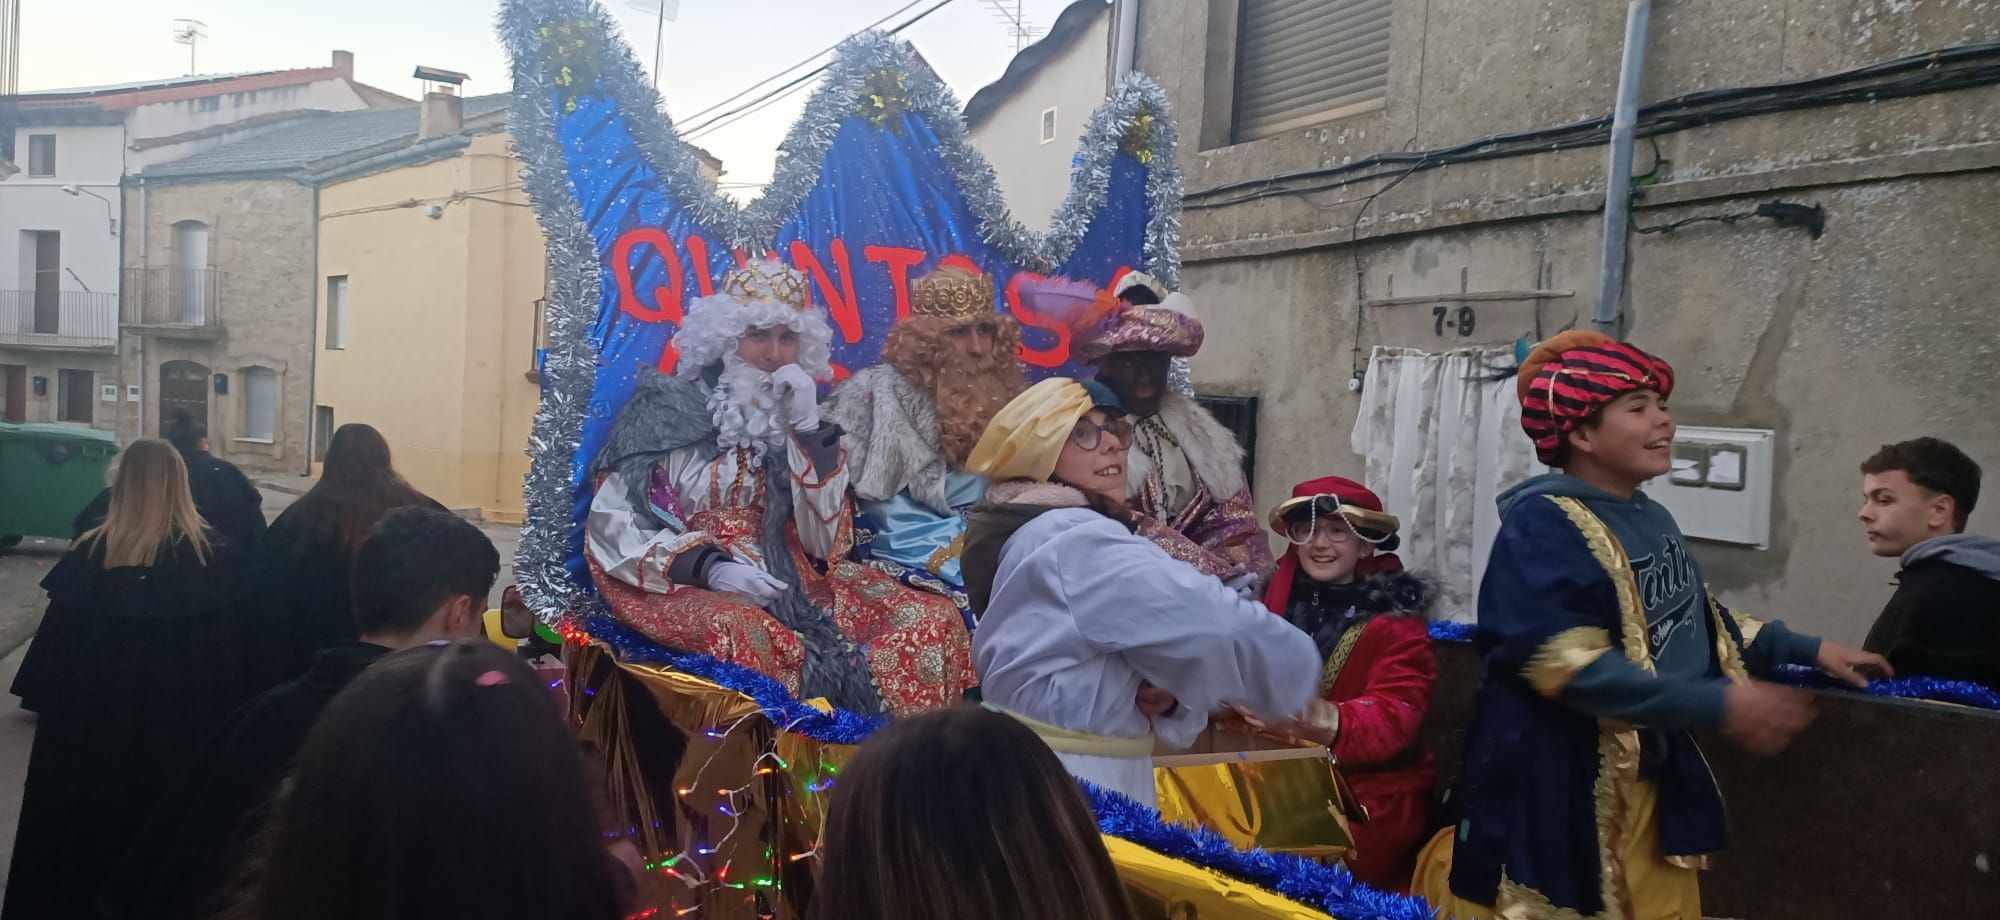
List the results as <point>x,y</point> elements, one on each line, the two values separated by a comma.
<point>1448,631</point>
<point>1964,693</point>
<point>780,707</point>
<point>1327,888</point>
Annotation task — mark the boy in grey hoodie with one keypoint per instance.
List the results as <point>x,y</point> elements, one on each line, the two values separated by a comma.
<point>1944,619</point>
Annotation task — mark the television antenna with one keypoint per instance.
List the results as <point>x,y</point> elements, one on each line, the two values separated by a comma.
<point>1022,30</point>
<point>666,11</point>
<point>190,32</point>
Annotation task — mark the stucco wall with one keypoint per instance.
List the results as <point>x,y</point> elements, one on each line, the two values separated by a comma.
<point>1034,176</point>
<point>440,321</point>
<point>260,244</point>
<point>1878,331</point>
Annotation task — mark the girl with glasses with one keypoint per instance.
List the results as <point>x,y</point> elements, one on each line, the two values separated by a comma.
<point>1340,584</point>
<point>1092,635</point>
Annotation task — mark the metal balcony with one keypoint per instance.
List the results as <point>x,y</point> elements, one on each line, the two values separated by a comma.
<point>65,320</point>
<point>173,302</point>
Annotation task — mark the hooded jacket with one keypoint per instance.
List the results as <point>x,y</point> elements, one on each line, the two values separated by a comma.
<point>1944,619</point>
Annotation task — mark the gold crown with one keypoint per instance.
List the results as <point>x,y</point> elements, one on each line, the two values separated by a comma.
<point>767,282</point>
<point>952,294</point>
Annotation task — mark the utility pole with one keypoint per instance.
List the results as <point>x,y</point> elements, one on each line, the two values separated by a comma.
<point>190,32</point>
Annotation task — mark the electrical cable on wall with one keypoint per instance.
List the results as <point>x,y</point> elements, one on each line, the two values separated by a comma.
<point>1960,67</point>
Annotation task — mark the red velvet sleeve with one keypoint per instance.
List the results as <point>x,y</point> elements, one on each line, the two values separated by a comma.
<point>1384,719</point>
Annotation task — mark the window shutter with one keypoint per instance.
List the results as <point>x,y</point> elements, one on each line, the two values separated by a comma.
<point>1300,62</point>
<point>260,406</point>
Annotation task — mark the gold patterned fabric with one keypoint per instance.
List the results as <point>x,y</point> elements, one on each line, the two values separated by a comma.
<point>1563,656</point>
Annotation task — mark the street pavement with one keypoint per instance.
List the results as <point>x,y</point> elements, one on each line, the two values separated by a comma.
<point>21,606</point>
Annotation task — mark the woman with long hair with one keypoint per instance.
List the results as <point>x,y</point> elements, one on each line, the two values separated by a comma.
<point>1091,633</point>
<point>442,782</point>
<point>138,658</point>
<point>963,813</point>
<point>309,550</point>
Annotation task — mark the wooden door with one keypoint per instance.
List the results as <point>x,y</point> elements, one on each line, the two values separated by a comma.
<point>183,389</point>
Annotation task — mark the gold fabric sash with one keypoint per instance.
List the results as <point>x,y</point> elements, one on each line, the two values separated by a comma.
<point>1069,741</point>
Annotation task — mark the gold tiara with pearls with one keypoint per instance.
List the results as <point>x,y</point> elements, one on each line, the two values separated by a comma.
<point>767,281</point>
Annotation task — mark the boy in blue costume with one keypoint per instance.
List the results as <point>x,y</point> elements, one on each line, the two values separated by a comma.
<point>1584,792</point>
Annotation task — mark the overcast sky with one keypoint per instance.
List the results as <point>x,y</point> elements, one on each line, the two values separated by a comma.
<point>713,49</point>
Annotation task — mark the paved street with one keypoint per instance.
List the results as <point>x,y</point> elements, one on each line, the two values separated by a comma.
<point>21,606</point>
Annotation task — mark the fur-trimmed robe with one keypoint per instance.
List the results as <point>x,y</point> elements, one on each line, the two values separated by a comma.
<point>892,438</point>
<point>1220,516</point>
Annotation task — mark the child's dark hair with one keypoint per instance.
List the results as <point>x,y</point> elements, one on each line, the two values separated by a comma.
<point>441,783</point>
<point>414,559</point>
<point>963,813</point>
<point>1936,465</point>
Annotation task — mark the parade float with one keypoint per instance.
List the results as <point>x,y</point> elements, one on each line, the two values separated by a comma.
<point>716,772</point>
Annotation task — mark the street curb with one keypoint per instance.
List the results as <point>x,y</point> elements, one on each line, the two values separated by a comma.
<point>280,486</point>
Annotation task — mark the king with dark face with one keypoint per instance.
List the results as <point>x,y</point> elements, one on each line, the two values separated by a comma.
<point>1186,469</point>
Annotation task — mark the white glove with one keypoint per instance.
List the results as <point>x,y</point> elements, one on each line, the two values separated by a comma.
<point>1245,586</point>
<point>747,581</point>
<point>800,394</point>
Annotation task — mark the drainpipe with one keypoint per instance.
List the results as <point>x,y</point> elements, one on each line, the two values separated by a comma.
<point>144,228</point>
<point>312,339</point>
<point>1123,58</point>
<point>1618,174</point>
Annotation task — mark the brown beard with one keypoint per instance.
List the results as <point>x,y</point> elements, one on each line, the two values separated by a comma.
<point>969,391</point>
<point>968,397</point>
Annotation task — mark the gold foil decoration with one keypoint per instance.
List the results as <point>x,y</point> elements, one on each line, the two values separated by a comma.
<point>1164,888</point>
<point>1284,801</point>
<point>635,718</point>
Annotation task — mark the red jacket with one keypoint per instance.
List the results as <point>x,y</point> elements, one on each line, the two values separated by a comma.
<point>1379,674</point>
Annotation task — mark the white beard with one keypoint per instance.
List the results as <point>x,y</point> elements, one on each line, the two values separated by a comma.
<point>746,409</point>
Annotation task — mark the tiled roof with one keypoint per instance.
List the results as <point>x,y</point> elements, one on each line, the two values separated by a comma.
<point>132,96</point>
<point>317,137</point>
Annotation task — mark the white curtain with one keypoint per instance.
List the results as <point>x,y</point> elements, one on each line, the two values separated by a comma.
<point>1442,439</point>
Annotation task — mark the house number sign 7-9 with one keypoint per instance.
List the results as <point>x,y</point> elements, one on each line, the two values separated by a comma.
<point>1462,320</point>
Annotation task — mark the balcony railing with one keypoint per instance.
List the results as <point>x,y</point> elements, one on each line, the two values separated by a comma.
<point>58,319</point>
<point>172,297</point>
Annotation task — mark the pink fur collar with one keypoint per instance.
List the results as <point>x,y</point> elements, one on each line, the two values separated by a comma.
<point>1029,492</point>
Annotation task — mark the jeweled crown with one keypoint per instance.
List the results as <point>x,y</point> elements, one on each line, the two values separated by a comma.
<point>952,293</point>
<point>767,281</point>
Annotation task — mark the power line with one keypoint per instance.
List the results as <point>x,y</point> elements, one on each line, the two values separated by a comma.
<point>717,121</point>
<point>724,122</point>
<point>815,56</point>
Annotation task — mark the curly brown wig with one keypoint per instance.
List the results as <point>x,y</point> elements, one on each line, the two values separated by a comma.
<point>968,389</point>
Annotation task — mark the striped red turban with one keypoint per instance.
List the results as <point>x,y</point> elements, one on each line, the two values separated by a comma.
<point>1568,377</point>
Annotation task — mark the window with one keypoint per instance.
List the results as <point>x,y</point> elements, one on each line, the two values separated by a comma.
<point>1302,62</point>
<point>41,154</point>
<point>76,395</point>
<point>1239,415</point>
<point>336,311</point>
<point>260,404</point>
<point>1048,125</point>
<point>322,431</point>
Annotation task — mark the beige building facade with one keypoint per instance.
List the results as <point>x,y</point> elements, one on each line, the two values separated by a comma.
<point>1418,174</point>
<point>430,291</point>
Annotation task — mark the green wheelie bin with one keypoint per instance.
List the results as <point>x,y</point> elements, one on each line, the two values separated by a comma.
<point>48,473</point>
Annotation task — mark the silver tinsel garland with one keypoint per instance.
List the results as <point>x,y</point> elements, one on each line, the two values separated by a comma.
<point>569,371</point>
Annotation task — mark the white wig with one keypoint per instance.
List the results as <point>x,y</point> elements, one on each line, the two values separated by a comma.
<point>713,324</point>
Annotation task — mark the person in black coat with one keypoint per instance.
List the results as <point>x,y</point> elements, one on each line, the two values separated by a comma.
<point>421,576</point>
<point>1944,619</point>
<point>309,551</point>
<point>226,498</point>
<point>139,657</point>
